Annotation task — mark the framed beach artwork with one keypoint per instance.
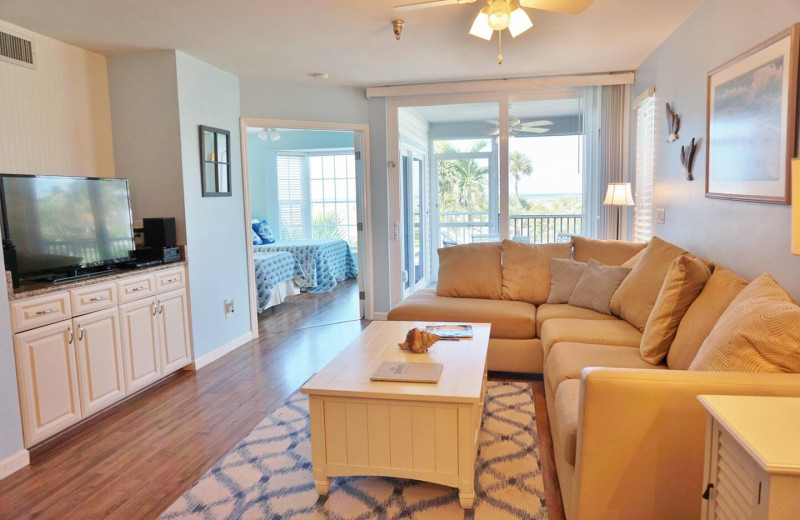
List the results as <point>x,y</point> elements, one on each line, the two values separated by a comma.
<point>751,125</point>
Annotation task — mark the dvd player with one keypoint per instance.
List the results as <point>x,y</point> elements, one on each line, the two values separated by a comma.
<point>156,254</point>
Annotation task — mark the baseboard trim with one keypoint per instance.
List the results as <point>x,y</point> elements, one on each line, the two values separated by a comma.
<point>14,462</point>
<point>380,316</point>
<point>217,353</point>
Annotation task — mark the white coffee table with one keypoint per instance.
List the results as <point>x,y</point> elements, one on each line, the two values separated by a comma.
<point>408,430</point>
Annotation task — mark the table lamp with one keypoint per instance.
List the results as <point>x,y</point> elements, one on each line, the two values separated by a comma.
<point>619,194</point>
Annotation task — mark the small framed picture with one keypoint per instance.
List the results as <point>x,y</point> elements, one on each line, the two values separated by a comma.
<point>751,122</point>
<point>215,162</point>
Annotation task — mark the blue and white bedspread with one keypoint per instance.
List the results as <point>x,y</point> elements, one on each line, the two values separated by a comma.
<point>272,269</point>
<point>324,262</point>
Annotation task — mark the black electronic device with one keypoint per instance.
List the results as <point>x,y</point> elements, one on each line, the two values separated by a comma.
<point>163,255</point>
<point>159,232</point>
<point>64,227</point>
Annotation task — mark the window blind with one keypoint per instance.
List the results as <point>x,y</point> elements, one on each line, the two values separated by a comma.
<point>292,198</point>
<point>645,142</point>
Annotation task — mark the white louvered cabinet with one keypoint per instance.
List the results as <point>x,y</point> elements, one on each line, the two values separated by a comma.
<point>752,466</point>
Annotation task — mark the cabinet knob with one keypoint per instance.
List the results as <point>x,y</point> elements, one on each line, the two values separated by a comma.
<point>43,312</point>
<point>155,309</point>
<point>172,280</point>
<point>97,299</point>
<point>70,335</point>
<point>137,289</point>
<point>80,333</point>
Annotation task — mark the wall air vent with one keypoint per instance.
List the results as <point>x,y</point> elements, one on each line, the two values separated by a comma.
<point>17,50</point>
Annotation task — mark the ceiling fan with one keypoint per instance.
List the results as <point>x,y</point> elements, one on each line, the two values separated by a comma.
<point>498,15</point>
<point>515,126</point>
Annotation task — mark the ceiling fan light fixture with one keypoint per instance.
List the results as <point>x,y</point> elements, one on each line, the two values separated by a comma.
<point>274,134</point>
<point>480,27</point>
<point>519,22</point>
<point>499,15</point>
<point>262,134</point>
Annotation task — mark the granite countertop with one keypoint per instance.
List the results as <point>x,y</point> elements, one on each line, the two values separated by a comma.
<point>30,290</point>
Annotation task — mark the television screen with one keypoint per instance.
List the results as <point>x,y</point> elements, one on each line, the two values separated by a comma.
<point>61,224</point>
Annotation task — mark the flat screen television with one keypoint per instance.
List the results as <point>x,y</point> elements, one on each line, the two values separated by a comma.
<point>63,227</point>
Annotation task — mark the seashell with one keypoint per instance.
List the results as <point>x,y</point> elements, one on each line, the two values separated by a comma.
<point>418,341</point>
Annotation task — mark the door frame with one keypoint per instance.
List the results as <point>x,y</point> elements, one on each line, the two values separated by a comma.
<point>365,242</point>
<point>417,153</point>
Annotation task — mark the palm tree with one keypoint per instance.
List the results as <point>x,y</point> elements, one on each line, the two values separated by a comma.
<point>519,164</point>
<point>462,181</point>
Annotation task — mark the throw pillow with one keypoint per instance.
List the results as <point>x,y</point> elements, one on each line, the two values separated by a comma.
<point>636,296</point>
<point>597,285</point>
<point>632,261</point>
<point>470,271</point>
<point>256,239</point>
<point>262,229</point>
<point>526,270</point>
<point>757,333</point>
<point>685,279</point>
<point>564,274</point>
<point>609,252</point>
<point>703,314</point>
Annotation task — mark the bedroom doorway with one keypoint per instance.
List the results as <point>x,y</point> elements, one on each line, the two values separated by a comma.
<point>304,210</point>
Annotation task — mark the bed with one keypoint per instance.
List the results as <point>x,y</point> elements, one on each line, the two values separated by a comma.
<point>277,276</point>
<point>324,262</point>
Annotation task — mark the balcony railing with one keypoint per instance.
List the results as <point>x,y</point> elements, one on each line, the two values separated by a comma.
<point>464,227</point>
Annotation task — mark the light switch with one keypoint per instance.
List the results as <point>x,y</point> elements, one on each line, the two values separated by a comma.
<point>661,215</point>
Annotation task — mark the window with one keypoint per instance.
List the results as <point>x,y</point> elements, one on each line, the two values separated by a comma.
<point>645,141</point>
<point>317,196</point>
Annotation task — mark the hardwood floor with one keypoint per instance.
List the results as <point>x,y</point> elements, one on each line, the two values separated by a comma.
<point>133,462</point>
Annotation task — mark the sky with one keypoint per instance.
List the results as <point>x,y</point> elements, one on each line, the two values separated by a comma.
<point>556,164</point>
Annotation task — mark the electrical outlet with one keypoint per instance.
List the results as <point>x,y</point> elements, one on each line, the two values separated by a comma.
<point>661,215</point>
<point>229,308</point>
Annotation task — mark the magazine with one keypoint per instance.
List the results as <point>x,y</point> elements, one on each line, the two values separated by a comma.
<point>451,332</point>
<point>408,372</point>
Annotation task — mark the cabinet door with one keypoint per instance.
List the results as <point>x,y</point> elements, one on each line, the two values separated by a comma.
<point>174,327</point>
<point>100,373</point>
<point>48,380</point>
<point>140,343</point>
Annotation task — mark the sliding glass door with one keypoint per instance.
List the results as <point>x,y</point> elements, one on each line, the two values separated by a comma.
<point>415,214</point>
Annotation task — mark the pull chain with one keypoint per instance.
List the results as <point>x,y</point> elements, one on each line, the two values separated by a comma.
<point>500,47</point>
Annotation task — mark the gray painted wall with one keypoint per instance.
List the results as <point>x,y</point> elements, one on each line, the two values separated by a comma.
<point>747,238</point>
<point>147,144</point>
<point>214,225</point>
<point>11,423</point>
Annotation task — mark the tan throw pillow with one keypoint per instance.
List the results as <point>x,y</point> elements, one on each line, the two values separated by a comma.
<point>597,285</point>
<point>637,294</point>
<point>608,252</point>
<point>632,261</point>
<point>470,271</point>
<point>758,332</point>
<point>564,274</point>
<point>526,270</point>
<point>703,314</point>
<point>685,279</point>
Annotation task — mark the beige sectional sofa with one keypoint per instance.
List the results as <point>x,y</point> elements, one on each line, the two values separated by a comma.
<point>628,435</point>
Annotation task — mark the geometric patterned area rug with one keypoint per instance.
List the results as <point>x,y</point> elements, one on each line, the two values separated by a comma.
<point>268,474</point>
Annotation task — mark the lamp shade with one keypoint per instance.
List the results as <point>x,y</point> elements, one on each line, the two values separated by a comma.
<point>480,27</point>
<point>520,21</point>
<point>796,206</point>
<point>619,194</point>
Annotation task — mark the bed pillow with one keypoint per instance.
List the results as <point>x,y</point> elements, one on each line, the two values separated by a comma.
<point>262,229</point>
<point>564,275</point>
<point>597,285</point>
<point>256,239</point>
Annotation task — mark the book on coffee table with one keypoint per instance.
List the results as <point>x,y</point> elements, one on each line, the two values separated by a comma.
<point>451,332</point>
<point>407,372</point>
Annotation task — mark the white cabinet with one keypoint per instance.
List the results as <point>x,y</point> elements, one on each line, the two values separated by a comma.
<point>140,343</point>
<point>752,466</point>
<point>79,350</point>
<point>99,354</point>
<point>48,380</point>
<point>173,325</point>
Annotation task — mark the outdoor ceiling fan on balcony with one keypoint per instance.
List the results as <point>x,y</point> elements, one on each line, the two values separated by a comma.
<point>498,15</point>
<point>516,127</point>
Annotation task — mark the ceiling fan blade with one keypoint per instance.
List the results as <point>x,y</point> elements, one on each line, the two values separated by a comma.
<point>543,122</point>
<point>559,6</point>
<point>434,3</point>
<point>533,130</point>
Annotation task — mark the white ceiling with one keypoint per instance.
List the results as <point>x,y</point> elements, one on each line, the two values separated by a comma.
<point>352,40</point>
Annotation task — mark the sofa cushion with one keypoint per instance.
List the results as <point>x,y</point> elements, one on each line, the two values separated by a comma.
<point>637,294</point>
<point>526,270</point>
<point>758,332</point>
<point>566,360</point>
<point>609,252</point>
<point>471,271</point>
<point>600,332</point>
<point>597,285</point>
<point>702,315</point>
<point>510,320</point>
<point>549,311</point>
<point>685,279</point>
<point>564,275</point>
<point>632,261</point>
<point>567,410</point>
